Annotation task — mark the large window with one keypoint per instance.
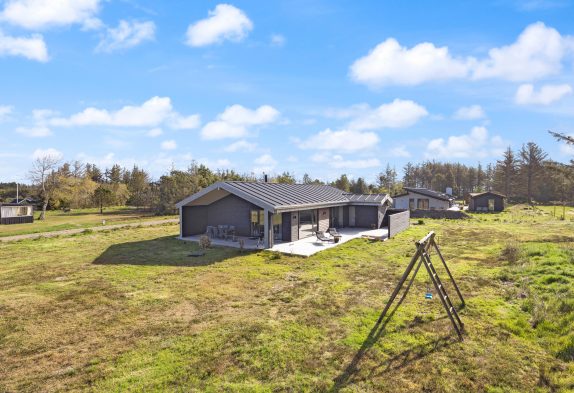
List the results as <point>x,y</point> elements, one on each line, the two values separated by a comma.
<point>257,222</point>
<point>307,223</point>
<point>423,204</point>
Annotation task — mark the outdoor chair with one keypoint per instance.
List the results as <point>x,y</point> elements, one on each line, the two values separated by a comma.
<point>333,232</point>
<point>321,236</point>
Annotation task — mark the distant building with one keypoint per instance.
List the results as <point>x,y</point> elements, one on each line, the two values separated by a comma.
<point>15,213</point>
<point>489,201</point>
<point>422,199</point>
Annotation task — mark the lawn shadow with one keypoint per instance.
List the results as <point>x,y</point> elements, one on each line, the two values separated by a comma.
<point>398,361</point>
<point>163,251</point>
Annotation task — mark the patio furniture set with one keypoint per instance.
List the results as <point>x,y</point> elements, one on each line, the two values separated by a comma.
<point>225,232</point>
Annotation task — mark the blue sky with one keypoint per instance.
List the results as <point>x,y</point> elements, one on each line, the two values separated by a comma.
<point>318,87</point>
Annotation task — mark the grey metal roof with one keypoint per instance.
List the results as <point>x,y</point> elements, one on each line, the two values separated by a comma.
<point>366,198</point>
<point>281,197</point>
<point>430,193</point>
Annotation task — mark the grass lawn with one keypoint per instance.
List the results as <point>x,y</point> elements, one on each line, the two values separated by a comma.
<point>79,218</point>
<point>128,310</point>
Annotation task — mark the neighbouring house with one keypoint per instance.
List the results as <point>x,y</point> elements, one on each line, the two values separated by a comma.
<point>279,212</point>
<point>24,201</point>
<point>423,199</point>
<point>488,201</point>
<point>16,213</point>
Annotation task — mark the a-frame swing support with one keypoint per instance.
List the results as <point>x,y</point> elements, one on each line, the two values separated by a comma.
<point>422,256</point>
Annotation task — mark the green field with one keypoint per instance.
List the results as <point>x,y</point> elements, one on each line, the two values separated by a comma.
<point>58,220</point>
<point>128,310</point>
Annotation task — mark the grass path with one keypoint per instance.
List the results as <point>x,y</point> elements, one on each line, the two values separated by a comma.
<point>68,232</point>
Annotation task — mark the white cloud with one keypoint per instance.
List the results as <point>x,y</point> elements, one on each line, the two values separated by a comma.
<point>476,144</point>
<point>344,140</point>
<point>152,113</point>
<point>277,40</point>
<point>32,47</point>
<point>397,114</point>
<point>126,35</point>
<point>241,145</point>
<point>337,161</point>
<point>236,120</point>
<point>538,52</point>
<point>154,132</point>
<point>34,131</point>
<point>265,163</point>
<point>5,111</point>
<point>400,151</point>
<point>169,145</point>
<point>526,95</point>
<point>472,112</point>
<point>39,14</point>
<point>390,63</point>
<point>185,122</point>
<point>50,152</point>
<point>225,22</point>
<point>567,149</point>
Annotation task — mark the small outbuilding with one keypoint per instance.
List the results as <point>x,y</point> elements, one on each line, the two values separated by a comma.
<point>16,213</point>
<point>489,201</point>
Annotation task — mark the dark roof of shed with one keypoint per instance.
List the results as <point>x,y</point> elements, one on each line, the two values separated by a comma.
<point>280,196</point>
<point>430,193</point>
<point>477,194</point>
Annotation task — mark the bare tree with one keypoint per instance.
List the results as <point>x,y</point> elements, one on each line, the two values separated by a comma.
<point>43,175</point>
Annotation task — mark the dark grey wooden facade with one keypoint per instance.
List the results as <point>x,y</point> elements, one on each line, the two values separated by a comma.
<point>230,210</point>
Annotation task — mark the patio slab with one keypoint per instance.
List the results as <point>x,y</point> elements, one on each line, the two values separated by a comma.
<point>304,247</point>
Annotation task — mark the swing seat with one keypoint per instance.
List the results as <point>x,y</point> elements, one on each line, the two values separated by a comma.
<point>428,295</point>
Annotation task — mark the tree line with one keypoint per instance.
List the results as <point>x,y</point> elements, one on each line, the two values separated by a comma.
<point>525,175</point>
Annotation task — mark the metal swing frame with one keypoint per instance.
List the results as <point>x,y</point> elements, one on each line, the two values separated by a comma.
<point>422,256</point>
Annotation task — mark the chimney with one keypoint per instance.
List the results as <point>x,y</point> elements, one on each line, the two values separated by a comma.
<point>265,178</point>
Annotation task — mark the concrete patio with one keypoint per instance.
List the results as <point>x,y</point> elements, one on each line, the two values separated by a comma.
<point>304,247</point>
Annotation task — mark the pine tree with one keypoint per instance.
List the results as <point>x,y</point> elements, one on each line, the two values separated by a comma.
<point>531,160</point>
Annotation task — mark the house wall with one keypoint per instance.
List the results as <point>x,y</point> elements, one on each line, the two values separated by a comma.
<point>366,216</point>
<point>402,202</point>
<point>193,220</point>
<point>230,210</point>
<point>323,219</point>
<point>346,216</point>
<point>482,202</point>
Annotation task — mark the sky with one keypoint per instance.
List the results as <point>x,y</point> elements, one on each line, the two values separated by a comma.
<point>305,86</point>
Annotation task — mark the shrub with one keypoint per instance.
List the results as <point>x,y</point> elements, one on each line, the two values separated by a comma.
<point>204,242</point>
<point>511,252</point>
<point>420,222</point>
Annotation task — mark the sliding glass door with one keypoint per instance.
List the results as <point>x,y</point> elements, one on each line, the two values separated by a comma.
<point>307,223</point>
